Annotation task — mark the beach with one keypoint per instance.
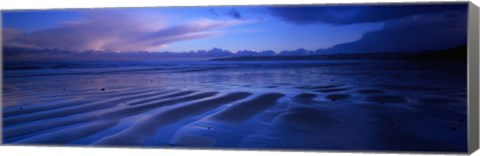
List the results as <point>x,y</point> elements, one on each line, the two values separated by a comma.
<point>287,105</point>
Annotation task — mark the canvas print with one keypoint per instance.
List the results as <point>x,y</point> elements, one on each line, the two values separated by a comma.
<point>356,77</point>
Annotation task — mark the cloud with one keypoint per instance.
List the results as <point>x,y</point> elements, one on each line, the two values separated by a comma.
<point>9,34</point>
<point>344,14</point>
<point>418,33</point>
<point>213,11</point>
<point>115,31</point>
<point>232,13</point>
<point>235,14</point>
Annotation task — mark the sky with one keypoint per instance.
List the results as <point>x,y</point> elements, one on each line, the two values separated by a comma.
<point>332,28</point>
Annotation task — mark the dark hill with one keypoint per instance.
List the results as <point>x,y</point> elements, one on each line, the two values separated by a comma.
<point>457,54</point>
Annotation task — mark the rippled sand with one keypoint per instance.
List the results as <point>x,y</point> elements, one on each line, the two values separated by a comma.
<point>279,105</point>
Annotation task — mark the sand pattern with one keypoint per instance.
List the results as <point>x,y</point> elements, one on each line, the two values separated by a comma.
<point>273,106</point>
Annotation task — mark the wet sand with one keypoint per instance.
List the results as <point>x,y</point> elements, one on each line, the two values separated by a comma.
<point>309,106</point>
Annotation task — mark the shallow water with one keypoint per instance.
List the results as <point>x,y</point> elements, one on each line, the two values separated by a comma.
<point>335,105</point>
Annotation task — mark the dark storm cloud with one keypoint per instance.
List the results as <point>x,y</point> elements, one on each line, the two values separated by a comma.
<point>419,33</point>
<point>343,15</point>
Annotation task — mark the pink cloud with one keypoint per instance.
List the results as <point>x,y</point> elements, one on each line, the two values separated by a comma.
<point>115,31</point>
